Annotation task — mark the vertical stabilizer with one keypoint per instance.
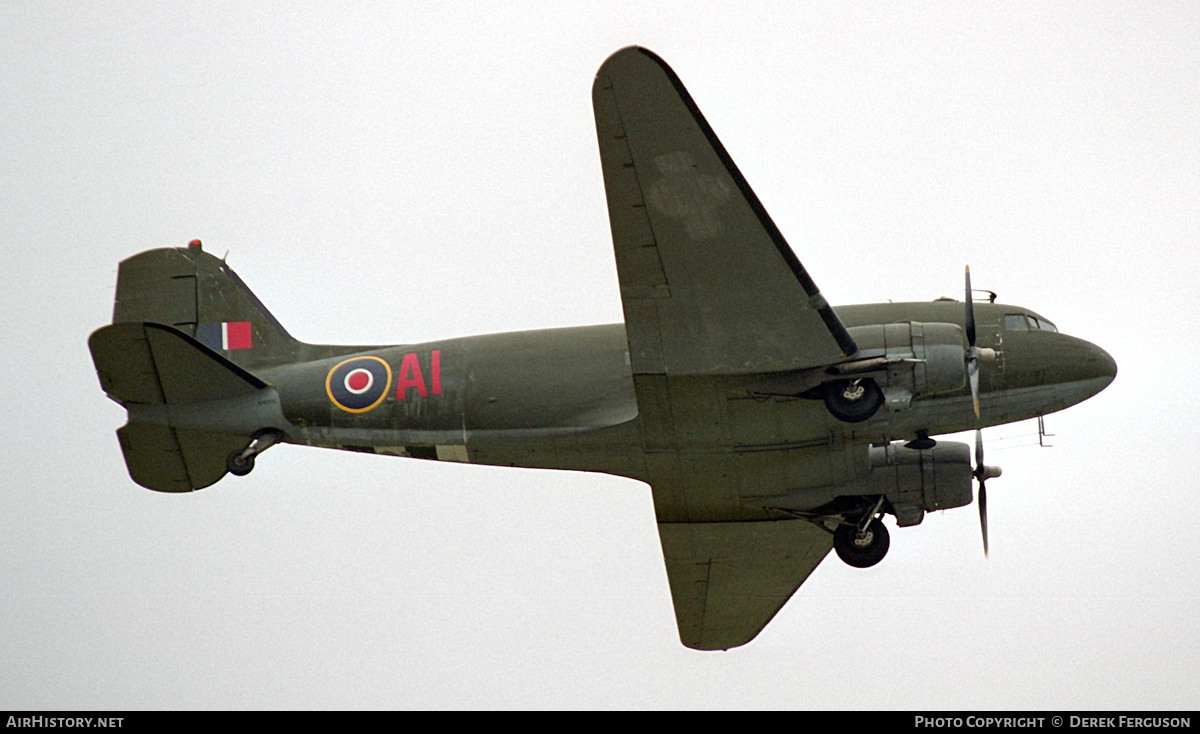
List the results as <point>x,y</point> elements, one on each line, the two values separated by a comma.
<point>198,294</point>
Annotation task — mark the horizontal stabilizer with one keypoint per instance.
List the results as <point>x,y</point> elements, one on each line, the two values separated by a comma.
<point>154,364</point>
<point>174,459</point>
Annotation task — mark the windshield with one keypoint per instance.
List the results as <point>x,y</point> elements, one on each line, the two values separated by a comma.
<point>1027,322</point>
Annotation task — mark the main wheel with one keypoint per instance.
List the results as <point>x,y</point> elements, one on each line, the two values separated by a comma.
<point>853,401</point>
<point>861,551</point>
<point>238,466</point>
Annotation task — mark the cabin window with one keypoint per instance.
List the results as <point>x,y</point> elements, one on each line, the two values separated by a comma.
<point>1015,322</point>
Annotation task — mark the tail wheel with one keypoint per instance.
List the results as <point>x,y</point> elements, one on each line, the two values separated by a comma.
<point>853,401</point>
<point>241,462</point>
<point>861,550</point>
<point>239,465</point>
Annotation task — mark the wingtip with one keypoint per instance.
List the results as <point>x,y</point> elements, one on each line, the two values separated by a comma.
<point>633,52</point>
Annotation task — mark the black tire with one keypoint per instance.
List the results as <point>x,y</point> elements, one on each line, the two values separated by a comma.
<point>238,466</point>
<point>861,552</point>
<point>853,401</point>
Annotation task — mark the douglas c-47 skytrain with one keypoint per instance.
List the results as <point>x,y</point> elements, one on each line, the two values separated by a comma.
<point>770,426</point>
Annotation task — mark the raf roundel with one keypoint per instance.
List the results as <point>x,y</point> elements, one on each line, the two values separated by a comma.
<point>358,384</point>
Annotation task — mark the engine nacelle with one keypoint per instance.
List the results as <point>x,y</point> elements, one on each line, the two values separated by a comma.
<point>909,359</point>
<point>916,481</point>
<point>913,482</point>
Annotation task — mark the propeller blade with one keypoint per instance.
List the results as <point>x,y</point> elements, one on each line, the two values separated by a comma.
<point>982,473</point>
<point>970,303</point>
<point>983,515</point>
<point>972,354</point>
<point>973,377</point>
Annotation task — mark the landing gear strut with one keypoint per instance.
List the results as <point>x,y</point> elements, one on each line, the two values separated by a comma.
<point>241,462</point>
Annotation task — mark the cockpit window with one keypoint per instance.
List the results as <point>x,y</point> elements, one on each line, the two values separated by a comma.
<point>1026,322</point>
<point>1015,322</point>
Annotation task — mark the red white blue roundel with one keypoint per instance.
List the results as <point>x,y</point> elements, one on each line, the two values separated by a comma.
<point>359,383</point>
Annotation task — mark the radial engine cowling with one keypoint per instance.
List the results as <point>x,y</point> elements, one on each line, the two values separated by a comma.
<point>913,482</point>
<point>917,481</point>
<point>909,359</point>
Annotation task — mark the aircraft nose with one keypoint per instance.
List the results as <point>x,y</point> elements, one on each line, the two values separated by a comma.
<point>1085,361</point>
<point>1106,366</point>
<point>1076,368</point>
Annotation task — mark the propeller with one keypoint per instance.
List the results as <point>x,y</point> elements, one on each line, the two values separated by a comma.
<point>975,355</point>
<point>982,473</point>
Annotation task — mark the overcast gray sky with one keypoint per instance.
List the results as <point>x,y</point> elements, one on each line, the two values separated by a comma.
<point>401,172</point>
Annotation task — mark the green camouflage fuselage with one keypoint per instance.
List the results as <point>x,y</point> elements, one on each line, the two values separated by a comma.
<point>564,399</point>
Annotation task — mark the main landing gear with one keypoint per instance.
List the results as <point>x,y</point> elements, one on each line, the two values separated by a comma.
<point>864,543</point>
<point>241,462</point>
<point>861,548</point>
<point>853,401</point>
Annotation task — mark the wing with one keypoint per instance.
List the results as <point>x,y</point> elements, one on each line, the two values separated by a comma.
<point>710,288</point>
<point>708,283</point>
<point>728,579</point>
